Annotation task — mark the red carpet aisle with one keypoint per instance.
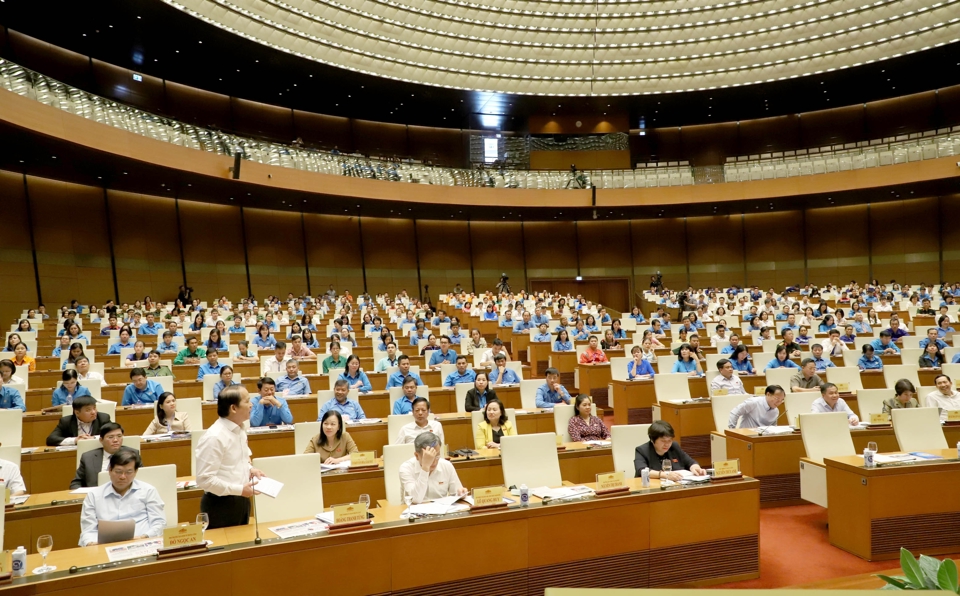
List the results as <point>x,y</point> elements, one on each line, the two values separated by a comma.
<point>795,549</point>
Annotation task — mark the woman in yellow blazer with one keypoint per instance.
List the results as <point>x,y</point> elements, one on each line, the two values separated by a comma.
<point>332,443</point>
<point>495,425</point>
<point>168,416</point>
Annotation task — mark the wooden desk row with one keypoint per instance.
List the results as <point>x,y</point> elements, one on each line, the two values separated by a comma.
<point>47,470</point>
<point>578,464</point>
<point>533,546</point>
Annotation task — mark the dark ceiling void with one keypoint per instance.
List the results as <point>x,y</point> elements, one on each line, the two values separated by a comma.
<point>27,152</point>
<point>157,40</point>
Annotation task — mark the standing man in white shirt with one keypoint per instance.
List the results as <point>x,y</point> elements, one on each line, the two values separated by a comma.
<point>727,380</point>
<point>224,471</point>
<point>427,476</point>
<point>758,411</point>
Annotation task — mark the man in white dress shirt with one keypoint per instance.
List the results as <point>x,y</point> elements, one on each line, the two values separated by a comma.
<point>945,397</point>
<point>421,424</point>
<point>427,476</point>
<point>726,379</point>
<point>832,346</point>
<point>830,401</point>
<point>11,478</point>
<point>124,497</point>
<point>758,411</point>
<point>223,462</point>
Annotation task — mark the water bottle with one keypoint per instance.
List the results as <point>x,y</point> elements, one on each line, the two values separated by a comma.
<point>868,458</point>
<point>524,495</point>
<point>645,478</point>
<point>19,562</point>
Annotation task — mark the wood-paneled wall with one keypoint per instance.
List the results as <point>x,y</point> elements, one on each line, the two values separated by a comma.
<point>92,246</point>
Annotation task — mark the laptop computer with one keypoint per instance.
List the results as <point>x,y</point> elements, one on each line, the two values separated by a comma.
<point>115,531</point>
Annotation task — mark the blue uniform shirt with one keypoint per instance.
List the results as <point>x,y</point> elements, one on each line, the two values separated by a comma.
<point>547,398</point>
<point>437,357</point>
<point>61,397</point>
<point>205,369</point>
<point>10,398</point>
<point>148,329</point>
<point>262,415</point>
<point>396,379</point>
<point>298,386</point>
<point>361,376</point>
<point>348,409</point>
<point>149,395</point>
<point>455,377</point>
<point>509,377</point>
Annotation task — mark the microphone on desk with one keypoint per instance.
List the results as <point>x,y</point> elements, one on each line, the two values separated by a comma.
<point>256,520</point>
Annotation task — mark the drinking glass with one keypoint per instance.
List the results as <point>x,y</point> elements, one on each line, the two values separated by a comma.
<point>204,520</point>
<point>44,546</point>
<point>872,446</point>
<point>365,499</point>
<point>408,497</point>
<point>667,467</point>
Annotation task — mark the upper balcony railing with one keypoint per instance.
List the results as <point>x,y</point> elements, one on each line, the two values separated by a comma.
<point>31,84</point>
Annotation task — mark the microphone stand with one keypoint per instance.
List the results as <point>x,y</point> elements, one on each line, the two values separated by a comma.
<point>256,520</point>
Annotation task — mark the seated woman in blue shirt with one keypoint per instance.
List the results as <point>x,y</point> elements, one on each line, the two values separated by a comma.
<point>563,343</point>
<point>198,323</point>
<point>580,333</point>
<point>827,324</point>
<point>780,359</point>
<point>307,323</point>
<point>943,327</point>
<point>695,321</point>
<point>740,359</point>
<point>12,340</point>
<point>295,329</point>
<point>73,330</point>
<point>638,368</point>
<point>309,340</point>
<point>215,342</point>
<point>562,326</point>
<point>264,339</point>
<point>354,376</point>
<point>617,328</point>
<point>76,351</point>
<point>636,315</point>
<point>869,361</point>
<point>489,314</point>
<point>70,389</point>
<point>591,324</point>
<point>802,338</point>
<point>687,362</point>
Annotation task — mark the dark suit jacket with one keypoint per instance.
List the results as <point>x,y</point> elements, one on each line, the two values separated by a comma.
<point>67,427</point>
<point>471,402</point>
<point>91,463</point>
<point>646,457</point>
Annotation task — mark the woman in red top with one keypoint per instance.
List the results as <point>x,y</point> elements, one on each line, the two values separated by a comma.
<point>584,426</point>
<point>593,354</point>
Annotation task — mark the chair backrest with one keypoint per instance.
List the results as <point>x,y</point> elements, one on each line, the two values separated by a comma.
<point>132,441</point>
<point>302,433</point>
<point>165,382</point>
<point>302,494</point>
<point>393,458</point>
<point>870,401</point>
<point>530,460</point>
<point>799,403</point>
<point>912,342</point>
<point>11,453</point>
<point>397,393</point>
<point>460,395</point>
<point>195,436</point>
<point>845,374</point>
<point>517,367</point>
<point>85,445</point>
<point>93,386</point>
<point>162,478</point>
<point>528,393</point>
<point>618,368</point>
<point>918,429</point>
<point>11,426</point>
<point>780,376</point>
<point>561,420</point>
<point>624,439</point>
<point>910,355</point>
<point>209,381</point>
<point>671,386</point>
<point>193,408</point>
<point>826,435</point>
<point>446,369</point>
<point>894,372</point>
<point>395,423</point>
<point>721,406</point>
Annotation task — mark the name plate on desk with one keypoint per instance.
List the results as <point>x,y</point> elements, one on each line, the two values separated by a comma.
<point>349,513</point>
<point>488,496</point>
<point>183,535</point>
<point>363,459</point>
<point>610,481</point>
<point>843,387</point>
<point>953,415</point>
<point>726,468</point>
<point>760,390</point>
<point>880,418</point>
<point>720,392</point>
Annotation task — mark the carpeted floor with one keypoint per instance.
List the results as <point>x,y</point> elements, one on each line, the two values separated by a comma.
<point>795,549</point>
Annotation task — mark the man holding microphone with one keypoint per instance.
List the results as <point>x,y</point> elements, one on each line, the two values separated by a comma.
<point>224,471</point>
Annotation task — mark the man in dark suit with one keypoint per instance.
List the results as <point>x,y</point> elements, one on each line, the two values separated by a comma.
<point>85,423</point>
<point>96,460</point>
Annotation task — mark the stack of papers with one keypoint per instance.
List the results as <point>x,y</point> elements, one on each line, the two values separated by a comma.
<point>83,490</point>
<point>268,486</point>
<point>598,443</point>
<point>365,421</point>
<point>303,528</point>
<point>25,450</point>
<point>66,448</point>
<point>187,484</point>
<point>520,412</point>
<point>439,507</point>
<point>688,477</point>
<point>896,457</point>
<point>564,492</point>
<point>267,429</point>
<point>19,499</point>
<point>134,550</point>
<point>345,465</point>
<point>774,430</point>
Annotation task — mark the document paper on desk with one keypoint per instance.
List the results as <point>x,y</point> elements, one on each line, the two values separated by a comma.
<point>310,526</point>
<point>259,430</point>
<point>268,486</point>
<point>344,465</point>
<point>774,430</point>
<point>83,490</point>
<point>563,492</point>
<point>439,506</point>
<point>598,443</point>
<point>134,550</point>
